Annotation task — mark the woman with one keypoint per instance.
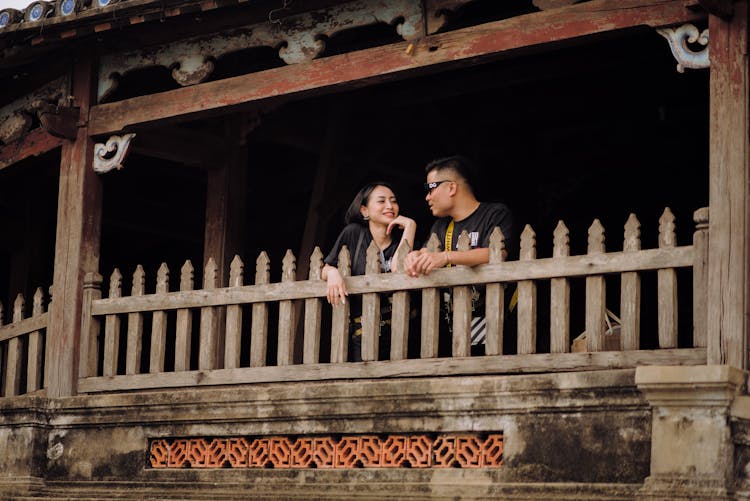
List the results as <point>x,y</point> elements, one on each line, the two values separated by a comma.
<point>372,216</point>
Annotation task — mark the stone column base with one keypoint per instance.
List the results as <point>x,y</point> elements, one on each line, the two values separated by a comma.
<point>692,452</point>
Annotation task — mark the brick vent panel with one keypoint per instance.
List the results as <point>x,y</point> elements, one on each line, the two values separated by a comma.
<point>342,452</point>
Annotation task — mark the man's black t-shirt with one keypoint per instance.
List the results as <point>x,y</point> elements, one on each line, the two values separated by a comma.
<point>479,225</point>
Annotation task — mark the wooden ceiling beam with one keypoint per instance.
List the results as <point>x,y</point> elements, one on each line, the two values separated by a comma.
<point>35,143</point>
<point>399,60</point>
<point>183,146</point>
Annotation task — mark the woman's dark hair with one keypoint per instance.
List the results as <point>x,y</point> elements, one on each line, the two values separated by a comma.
<point>461,165</point>
<point>353,214</point>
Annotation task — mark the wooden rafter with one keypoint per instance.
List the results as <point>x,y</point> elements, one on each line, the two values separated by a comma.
<point>35,143</point>
<point>501,38</point>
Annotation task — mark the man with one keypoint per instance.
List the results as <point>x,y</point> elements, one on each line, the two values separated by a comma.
<point>451,198</point>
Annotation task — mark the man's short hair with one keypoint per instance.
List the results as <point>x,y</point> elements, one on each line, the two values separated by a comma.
<point>461,165</point>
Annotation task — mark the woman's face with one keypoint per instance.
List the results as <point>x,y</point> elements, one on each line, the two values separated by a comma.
<point>382,207</point>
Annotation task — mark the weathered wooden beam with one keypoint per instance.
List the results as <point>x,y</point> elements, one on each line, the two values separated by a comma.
<point>76,244</point>
<point>498,364</point>
<point>196,149</point>
<point>400,60</point>
<point>35,143</point>
<point>729,225</point>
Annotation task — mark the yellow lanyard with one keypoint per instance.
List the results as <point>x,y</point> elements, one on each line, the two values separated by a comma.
<point>449,240</point>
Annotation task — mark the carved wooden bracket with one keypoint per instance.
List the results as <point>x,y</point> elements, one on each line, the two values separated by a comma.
<point>59,121</point>
<point>110,155</point>
<point>679,38</point>
<point>298,38</point>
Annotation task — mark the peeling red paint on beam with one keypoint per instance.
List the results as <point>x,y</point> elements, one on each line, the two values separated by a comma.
<point>35,143</point>
<point>392,61</point>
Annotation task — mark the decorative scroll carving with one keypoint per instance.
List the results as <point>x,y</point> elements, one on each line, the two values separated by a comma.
<point>437,11</point>
<point>110,155</point>
<point>17,117</point>
<point>679,38</point>
<point>299,38</point>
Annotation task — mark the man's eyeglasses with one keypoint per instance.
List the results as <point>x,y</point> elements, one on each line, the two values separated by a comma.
<point>431,186</point>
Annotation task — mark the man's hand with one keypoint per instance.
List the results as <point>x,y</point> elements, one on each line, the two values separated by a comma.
<point>422,262</point>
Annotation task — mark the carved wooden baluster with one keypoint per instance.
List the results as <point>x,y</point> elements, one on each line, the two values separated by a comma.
<point>135,326</point>
<point>159,324</point>
<point>112,328</point>
<point>14,365</point>
<point>340,315</point>
<point>630,291</point>
<point>36,347</point>
<point>700,278</point>
<point>209,333</point>
<point>285,355</point>
<point>462,310</point>
<point>430,323</point>
<point>92,291</point>
<point>595,293</point>
<point>527,297</point>
<point>184,321</point>
<point>667,285</point>
<point>400,310</point>
<point>259,326</point>
<point>560,295</point>
<point>234,317</point>
<point>371,308</point>
<point>313,314</point>
<point>495,299</point>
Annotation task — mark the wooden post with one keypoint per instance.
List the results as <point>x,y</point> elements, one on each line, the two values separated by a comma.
<point>34,367</point>
<point>259,325</point>
<point>400,313</point>
<point>340,315</point>
<point>90,326</point>
<point>559,325</point>
<point>495,302</point>
<point>159,324</point>
<point>184,322</point>
<point>135,326</point>
<point>630,290</point>
<point>700,277</point>
<point>233,337</point>
<point>313,314</point>
<point>461,342</point>
<point>208,340</point>
<point>596,294</point>
<point>79,209</point>
<point>371,309</point>
<point>527,297</point>
<point>285,352</point>
<point>729,157</point>
<point>667,286</point>
<point>430,312</point>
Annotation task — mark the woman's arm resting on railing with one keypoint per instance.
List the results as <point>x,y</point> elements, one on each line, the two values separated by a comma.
<point>336,287</point>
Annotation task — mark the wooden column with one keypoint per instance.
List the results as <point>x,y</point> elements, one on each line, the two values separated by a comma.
<point>79,209</point>
<point>225,203</point>
<point>225,214</point>
<point>729,233</point>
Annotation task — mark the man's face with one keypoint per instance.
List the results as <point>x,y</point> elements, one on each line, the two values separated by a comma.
<point>439,194</point>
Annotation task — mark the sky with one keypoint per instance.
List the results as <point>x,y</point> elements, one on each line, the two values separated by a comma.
<point>16,4</point>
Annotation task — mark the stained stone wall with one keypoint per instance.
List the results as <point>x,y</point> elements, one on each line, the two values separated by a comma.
<point>582,435</point>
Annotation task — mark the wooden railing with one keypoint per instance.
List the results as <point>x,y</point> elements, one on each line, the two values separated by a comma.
<point>22,347</point>
<point>166,318</point>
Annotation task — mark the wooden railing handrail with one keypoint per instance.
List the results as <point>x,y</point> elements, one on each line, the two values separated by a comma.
<point>22,327</point>
<point>509,271</point>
